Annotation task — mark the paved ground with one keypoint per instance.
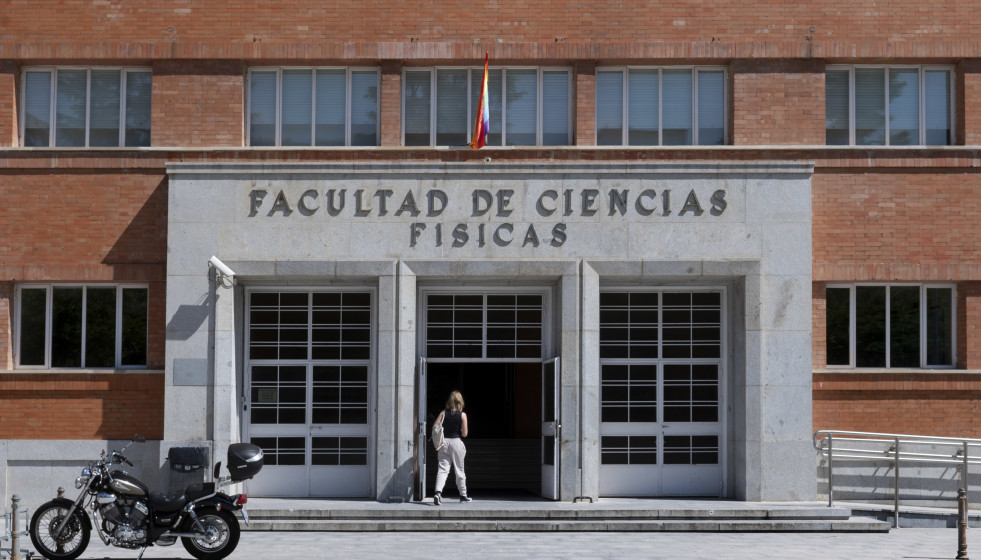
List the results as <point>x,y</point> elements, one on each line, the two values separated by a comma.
<point>917,544</point>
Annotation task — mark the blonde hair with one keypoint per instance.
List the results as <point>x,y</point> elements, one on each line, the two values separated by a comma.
<point>455,402</point>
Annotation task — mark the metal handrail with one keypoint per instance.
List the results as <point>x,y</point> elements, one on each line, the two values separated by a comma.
<point>824,442</point>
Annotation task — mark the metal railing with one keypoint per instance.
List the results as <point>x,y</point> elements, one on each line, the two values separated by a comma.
<point>14,532</point>
<point>895,449</point>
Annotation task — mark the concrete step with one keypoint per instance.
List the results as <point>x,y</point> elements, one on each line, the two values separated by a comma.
<point>856,525</point>
<point>464,512</point>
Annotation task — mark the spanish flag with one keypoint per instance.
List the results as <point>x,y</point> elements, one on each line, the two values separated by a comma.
<point>482,122</point>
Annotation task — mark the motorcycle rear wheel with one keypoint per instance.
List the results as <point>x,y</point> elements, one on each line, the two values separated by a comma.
<point>73,540</point>
<point>219,533</point>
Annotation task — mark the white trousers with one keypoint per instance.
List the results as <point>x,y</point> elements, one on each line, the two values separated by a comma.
<point>453,452</point>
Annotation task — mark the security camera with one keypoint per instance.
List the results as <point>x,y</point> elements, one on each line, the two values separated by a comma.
<point>222,269</point>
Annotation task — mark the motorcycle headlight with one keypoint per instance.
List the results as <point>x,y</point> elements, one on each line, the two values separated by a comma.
<point>82,480</point>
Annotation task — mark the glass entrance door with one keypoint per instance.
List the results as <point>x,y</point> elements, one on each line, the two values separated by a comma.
<point>662,393</point>
<point>308,387</point>
<point>551,428</point>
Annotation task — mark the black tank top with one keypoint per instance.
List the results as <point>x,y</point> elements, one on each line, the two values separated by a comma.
<point>452,423</point>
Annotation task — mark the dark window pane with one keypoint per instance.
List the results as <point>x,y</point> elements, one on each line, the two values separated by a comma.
<point>138,95</point>
<point>870,326</point>
<point>134,326</point>
<point>548,453</point>
<point>643,413</point>
<point>66,327</point>
<point>70,111</point>
<point>838,320</point>
<point>614,414</point>
<point>33,313</point>
<point>100,327</point>
<point>611,458</point>
<point>904,326</point>
<point>939,327</point>
<point>104,108</point>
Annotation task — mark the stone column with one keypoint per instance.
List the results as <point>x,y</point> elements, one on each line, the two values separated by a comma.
<point>569,385</point>
<point>590,389</point>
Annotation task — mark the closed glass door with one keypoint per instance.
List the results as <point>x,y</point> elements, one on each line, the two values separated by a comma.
<point>308,378</point>
<point>662,397</point>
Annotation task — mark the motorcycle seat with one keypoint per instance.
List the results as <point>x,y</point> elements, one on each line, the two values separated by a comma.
<point>196,491</point>
<point>166,503</point>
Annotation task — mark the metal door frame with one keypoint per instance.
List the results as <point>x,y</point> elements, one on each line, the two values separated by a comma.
<point>310,429</point>
<point>422,360</point>
<point>660,362</point>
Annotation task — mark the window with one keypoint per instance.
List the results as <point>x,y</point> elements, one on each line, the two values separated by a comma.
<point>893,326</point>
<point>528,106</point>
<point>508,326</point>
<point>660,107</point>
<point>901,106</point>
<point>86,107</point>
<point>313,107</point>
<point>63,326</point>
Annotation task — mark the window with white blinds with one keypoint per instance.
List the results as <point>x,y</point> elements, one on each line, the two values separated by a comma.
<point>660,106</point>
<point>527,106</point>
<point>86,107</point>
<point>313,107</point>
<point>901,106</point>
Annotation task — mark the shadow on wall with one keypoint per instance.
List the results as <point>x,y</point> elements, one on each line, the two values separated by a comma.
<point>874,482</point>
<point>144,241</point>
<point>188,318</point>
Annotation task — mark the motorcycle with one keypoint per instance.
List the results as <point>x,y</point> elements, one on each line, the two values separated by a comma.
<point>126,514</point>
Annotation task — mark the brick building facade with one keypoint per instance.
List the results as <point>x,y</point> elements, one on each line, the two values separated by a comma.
<point>881,216</point>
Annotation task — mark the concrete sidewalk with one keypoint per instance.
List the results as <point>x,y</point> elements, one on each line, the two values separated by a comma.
<point>903,543</point>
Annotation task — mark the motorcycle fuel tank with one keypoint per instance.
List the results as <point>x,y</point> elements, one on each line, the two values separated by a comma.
<point>128,485</point>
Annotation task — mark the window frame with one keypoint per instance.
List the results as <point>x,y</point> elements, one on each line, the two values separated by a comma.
<point>921,118</point>
<point>852,326</point>
<point>49,310</point>
<point>53,102</point>
<point>471,110</point>
<point>625,102</point>
<point>278,70</point>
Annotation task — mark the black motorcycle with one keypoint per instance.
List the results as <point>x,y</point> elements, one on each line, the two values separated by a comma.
<point>127,514</point>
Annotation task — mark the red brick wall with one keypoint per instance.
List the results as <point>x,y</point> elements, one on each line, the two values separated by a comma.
<point>777,102</point>
<point>6,319</point>
<point>585,131</point>
<point>391,104</point>
<point>253,21</point>
<point>968,98</point>
<point>81,406</point>
<point>198,104</point>
<point>87,227</point>
<point>969,325</point>
<point>894,225</point>
<point>9,80</point>
<point>933,404</point>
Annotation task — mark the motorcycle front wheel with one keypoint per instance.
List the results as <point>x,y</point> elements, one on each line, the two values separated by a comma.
<point>73,538</point>
<point>217,534</point>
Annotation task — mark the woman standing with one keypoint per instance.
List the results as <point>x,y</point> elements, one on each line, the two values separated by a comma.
<point>454,422</point>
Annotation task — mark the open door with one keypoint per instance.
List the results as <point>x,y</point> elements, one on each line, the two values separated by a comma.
<point>421,448</point>
<point>551,429</point>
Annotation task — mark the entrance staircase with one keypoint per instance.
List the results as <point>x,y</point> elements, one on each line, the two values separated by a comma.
<point>268,514</point>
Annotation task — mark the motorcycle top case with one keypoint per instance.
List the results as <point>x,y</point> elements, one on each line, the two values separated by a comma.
<point>244,460</point>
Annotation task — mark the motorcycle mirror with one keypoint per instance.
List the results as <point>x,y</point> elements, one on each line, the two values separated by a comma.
<point>138,438</point>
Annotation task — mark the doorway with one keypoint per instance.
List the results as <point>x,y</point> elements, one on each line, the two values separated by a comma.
<point>503,402</point>
<point>490,344</point>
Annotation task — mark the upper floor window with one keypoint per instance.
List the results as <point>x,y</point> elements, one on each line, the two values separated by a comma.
<point>660,107</point>
<point>891,326</point>
<point>86,107</point>
<point>899,106</point>
<point>528,106</point>
<point>94,326</point>
<point>313,107</point>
